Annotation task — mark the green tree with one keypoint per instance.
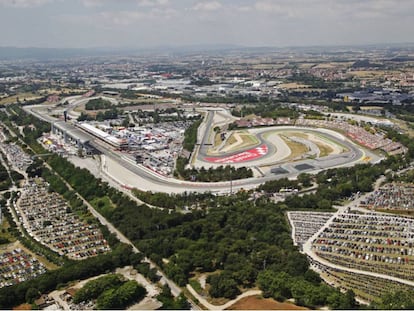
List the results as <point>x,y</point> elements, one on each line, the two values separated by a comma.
<point>96,287</point>
<point>107,300</point>
<point>398,300</point>
<point>31,294</point>
<point>223,285</point>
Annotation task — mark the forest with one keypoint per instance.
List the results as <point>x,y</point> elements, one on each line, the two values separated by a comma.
<point>97,104</point>
<point>190,136</point>
<point>266,110</point>
<point>111,292</point>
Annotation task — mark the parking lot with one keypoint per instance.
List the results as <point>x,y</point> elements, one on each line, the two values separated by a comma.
<point>17,266</point>
<point>393,196</point>
<point>371,242</point>
<point>306,224</point>
<point>16,156</point>
<point>48,218</point>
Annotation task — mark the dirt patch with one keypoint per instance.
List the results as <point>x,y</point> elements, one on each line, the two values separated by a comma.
<point>293,85</point>
<point>24,306</point>
<point>297,134</point>
<point>259,303</point>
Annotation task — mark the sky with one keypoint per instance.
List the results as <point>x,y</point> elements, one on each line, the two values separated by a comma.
<point>176,23</point>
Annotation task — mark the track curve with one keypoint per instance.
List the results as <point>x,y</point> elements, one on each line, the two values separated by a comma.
<point>145,179</point>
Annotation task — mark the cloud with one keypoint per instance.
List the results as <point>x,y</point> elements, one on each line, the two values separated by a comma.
<point>175,22</point>
<point>92,3</point>
<point>244,8</point>
<point>207,6</point>
<point>23,3</point>
<point>152,3</point>
<point>119,19</point>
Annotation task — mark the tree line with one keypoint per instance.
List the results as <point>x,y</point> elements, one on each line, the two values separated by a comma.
<point>110,292</point>
<point>98,103</point>
<point>220,173</point>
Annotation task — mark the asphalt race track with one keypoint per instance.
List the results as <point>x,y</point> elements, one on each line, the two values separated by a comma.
<point>127,173</point>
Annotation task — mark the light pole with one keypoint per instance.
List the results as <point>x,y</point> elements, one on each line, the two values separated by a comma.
<point>231,182</point>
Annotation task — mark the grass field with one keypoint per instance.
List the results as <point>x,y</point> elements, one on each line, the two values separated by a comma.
<point>371,108</point>
<point>403,125</point>
<point>293,85</point>
<point>103,203</point>
<point>239,140</point>
<point>80,108</point>
<point>296,134</point>
<point>396,212</point>
<point>217,140</point>
<point>297,149</point>
<point>325,150</point>
<point>196,285</point>
<point>4,231</point>
<point>21,97</point>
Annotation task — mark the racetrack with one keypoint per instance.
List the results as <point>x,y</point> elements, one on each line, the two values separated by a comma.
<point>127,173</point>
<point>278,152</point>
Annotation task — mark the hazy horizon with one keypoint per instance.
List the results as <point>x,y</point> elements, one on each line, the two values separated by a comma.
<point>143,24</point>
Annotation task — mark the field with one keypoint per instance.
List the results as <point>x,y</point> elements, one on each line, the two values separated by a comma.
<point>324,149</point>
<point>64,91</point>
<point>396,212</point>
<point>370,73</point>
<point>293,85</point>
<point>24,306</point>
<point>259,303</point>
<point>371,108</point>
<point>4,232</point>
<point>217,140</point>
<point>21,97</point>
<point>297,149</point>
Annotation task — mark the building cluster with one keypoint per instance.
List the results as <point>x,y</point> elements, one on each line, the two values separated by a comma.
<point>17,266</point>
<point>306,224</point>
<point>199,86</point>
<point>376,96</point>
<point>356,133</point>
<point>155,146</point>
<point>56,144</point>
<point>50,221</point>
<point>372,242</point>
<point>403,78</point>
<point>392,196</point>
<point>158,147</point>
